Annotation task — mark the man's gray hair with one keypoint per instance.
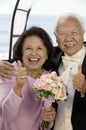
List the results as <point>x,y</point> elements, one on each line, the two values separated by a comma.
<point>69,15</point>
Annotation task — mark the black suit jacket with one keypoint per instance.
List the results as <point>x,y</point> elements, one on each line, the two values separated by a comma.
<point>78,117</point>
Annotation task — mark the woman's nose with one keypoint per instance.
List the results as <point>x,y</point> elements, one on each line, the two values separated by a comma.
<point>34,52</point>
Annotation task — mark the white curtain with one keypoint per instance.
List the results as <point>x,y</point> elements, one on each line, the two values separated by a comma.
<point>19,20</point>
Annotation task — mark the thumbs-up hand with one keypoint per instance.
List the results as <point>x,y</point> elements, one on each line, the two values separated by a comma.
<point>78,80</point>
<point>21,75</point>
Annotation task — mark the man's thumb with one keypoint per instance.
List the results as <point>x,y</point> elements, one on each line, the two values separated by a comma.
<point>19,63</point>
<point>79,68</point>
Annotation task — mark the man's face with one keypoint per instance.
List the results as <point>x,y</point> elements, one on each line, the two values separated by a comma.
<point>69,36</point>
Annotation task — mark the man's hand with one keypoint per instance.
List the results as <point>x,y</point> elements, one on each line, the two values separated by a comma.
<point>78,81</point>
<point>6,70</point>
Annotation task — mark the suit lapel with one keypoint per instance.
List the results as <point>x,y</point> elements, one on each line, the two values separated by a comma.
<point>57,61</point>
<point>84,67</point>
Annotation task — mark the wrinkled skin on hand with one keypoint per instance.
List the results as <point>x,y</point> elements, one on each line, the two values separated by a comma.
<point>48,114</point>
<point>7,70</point>
<point>78,81</point>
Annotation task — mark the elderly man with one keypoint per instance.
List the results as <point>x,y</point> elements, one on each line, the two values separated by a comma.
<point>70,63</point>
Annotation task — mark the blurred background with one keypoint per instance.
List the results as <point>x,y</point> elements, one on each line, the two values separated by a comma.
<point>43,13</point>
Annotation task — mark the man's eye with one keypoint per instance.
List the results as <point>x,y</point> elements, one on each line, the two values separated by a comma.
<point>62,34</point>
<point>75,32</point>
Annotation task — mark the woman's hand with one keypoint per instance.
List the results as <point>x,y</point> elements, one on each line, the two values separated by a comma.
<point>21,75</point>
<point>48,114</point>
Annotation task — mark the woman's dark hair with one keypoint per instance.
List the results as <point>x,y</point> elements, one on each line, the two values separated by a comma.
<point>33,31</point>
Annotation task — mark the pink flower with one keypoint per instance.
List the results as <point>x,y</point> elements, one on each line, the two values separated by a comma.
<point>49,87</point>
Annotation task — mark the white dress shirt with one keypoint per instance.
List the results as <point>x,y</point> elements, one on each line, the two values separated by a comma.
<point>66,70</point>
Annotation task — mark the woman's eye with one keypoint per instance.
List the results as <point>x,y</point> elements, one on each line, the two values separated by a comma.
<point>28,48</point>
<point>39,48</point>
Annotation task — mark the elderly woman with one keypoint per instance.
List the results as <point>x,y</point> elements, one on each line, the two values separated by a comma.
<point>19,110</point>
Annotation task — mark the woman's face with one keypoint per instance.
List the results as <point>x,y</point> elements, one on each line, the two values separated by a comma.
<point>34,53</point>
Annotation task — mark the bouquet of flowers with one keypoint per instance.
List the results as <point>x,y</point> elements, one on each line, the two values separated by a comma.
<point>49,87</point>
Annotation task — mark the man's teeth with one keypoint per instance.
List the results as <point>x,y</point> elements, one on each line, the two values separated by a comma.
<point>69,44</point>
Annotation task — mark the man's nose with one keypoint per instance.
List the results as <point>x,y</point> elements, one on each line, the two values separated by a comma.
<point>69,37</point>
